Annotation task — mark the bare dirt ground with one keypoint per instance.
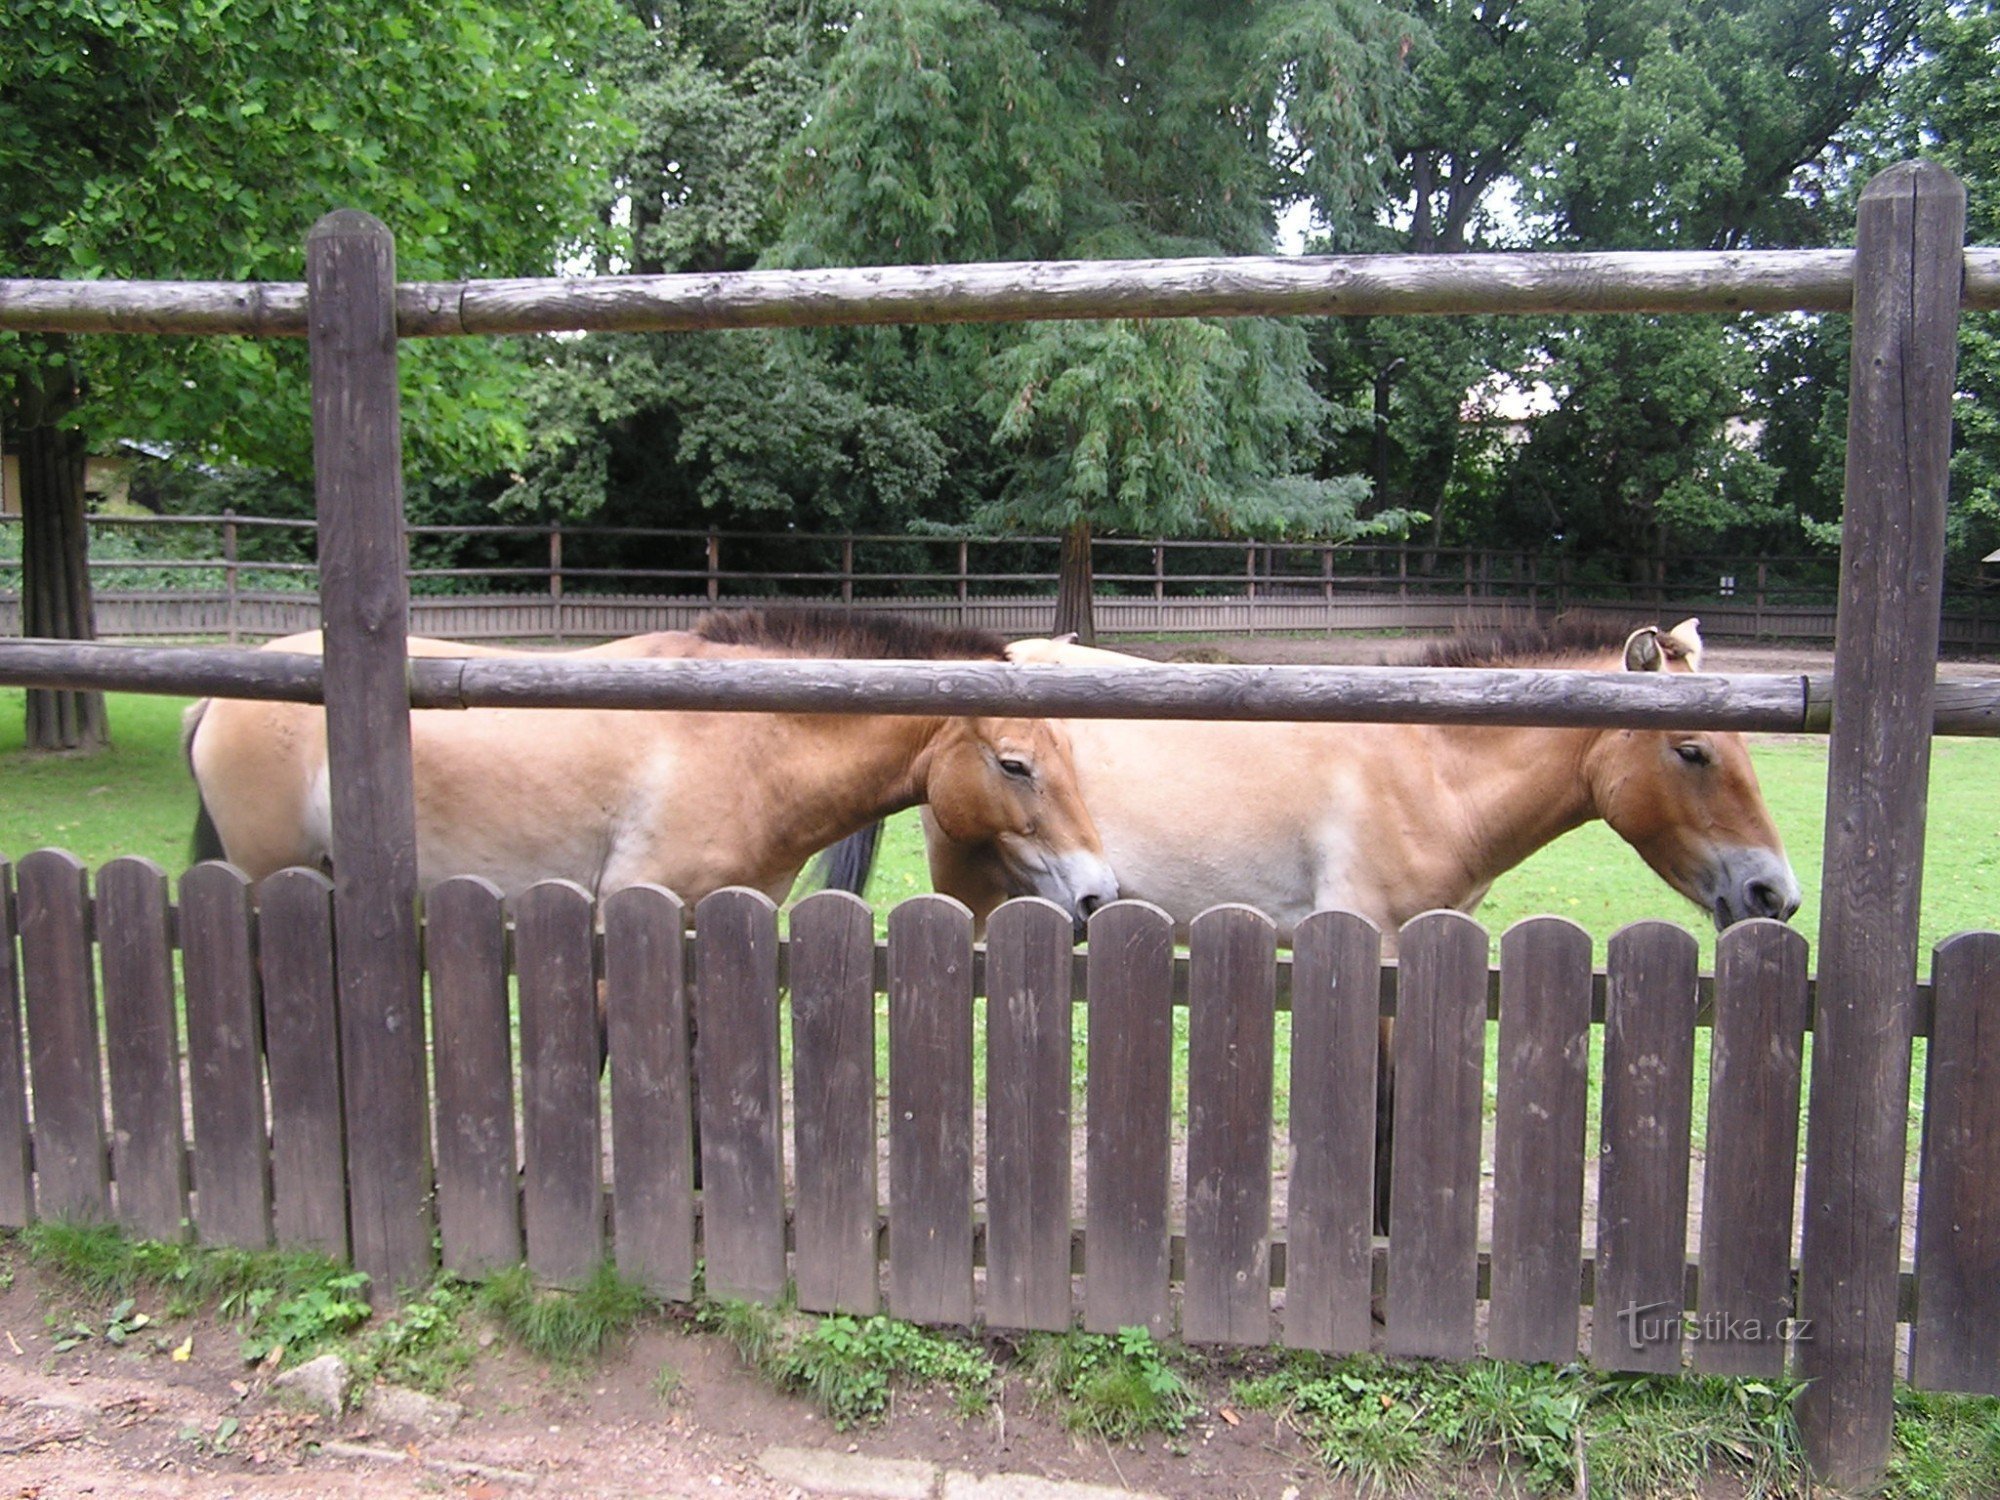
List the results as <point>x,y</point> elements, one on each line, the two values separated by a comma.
<point>133,1421</point>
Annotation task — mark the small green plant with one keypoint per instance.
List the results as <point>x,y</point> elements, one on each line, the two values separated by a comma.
<point>1116,1387</point>
<point>562,1326</point>
<point>1389,1427</point>
<point>1946,1446</point>
<point>297,1324</point>
<point>287,1300</point>
<point>120,1324</point>
<point>424,1345</point>
<point>849,1365</point>
<point>666,1384</point>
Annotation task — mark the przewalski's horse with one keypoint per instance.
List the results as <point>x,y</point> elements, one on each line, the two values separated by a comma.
<point>1392,820</point>
<point>693,801</point>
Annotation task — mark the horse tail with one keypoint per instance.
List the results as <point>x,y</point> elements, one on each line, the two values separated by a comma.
<point>206,842</point>
<point>849,863</point>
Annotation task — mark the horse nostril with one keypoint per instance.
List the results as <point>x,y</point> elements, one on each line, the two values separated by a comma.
<point>1087,904</point>
<point>1766,900</point>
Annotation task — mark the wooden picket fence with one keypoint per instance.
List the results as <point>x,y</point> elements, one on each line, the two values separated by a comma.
<point>238,1134</point>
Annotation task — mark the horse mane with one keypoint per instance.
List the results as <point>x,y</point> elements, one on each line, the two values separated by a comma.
<point>807,630</point>
<point>1568,638</point>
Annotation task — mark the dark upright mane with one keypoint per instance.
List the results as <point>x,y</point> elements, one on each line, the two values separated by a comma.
<point>812,631</point>
<point>1566,639</point>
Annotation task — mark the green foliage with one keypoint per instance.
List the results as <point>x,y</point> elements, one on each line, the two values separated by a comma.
<point>1388,1426</point>
<point>278,1299</point>
<point>849,1366</point>
<point>1116,1387</point>
<point>561,1325</point>
<point>423,1345</point>
<point>1945,1446</point>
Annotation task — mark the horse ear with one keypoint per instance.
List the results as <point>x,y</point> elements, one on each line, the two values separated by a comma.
<point>1684,641</point>
<point>1033,650</point>
<point>1642,650</point>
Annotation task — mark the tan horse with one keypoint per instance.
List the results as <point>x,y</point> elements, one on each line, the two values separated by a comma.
<point>1391,820</point>
<point>689,800</point>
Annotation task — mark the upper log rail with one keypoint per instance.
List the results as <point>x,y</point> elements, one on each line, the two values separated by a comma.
<point>1763,281</point>
<point>1775,703</point>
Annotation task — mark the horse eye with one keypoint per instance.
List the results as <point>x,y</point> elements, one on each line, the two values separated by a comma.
<point>1693,754</point>
<point>1018,768</point>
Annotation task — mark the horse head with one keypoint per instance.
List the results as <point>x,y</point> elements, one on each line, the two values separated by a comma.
<point>1689,802</point>
<point>1005,792</point>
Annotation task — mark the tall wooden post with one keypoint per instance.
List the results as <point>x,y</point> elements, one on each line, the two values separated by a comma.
<point>1907,272</point>
<point>365,606</point>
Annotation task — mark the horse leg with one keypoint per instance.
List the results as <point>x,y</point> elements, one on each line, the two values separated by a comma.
<point>1385,1109</point>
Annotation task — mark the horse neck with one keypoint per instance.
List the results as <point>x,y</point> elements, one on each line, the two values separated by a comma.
<point>840,772</point>
<point>1513,790</point>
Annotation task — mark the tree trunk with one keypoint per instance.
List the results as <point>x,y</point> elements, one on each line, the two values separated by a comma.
<point>55,580</point>
<point>1074,586</point>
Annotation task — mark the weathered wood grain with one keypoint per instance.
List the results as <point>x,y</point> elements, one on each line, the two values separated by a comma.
<point>1028,1213</point>
<point>232,1201</point>
<point>742,1110</point>
<point>302,1054</point>
<point>1544,1078</point>
<point>1955,1345</point>
<point>652,1115</point>
<point>1238,286</point>
<point>364,602</point>
<point>833,1103</point>
<point>1755,1054</point>
<point>478,1162</point>
<point>142,1048</point>
<point>1126,1109</point>
<point>1908,267</point>
<point>59,982</point>
<point>1336,984</point>
<point>1232,996</point>
<point>17,1183</point>
<point>562,1200</point>
<point>1440,1057</point>
<point>1643,1156</point>
<point>930,1110</point>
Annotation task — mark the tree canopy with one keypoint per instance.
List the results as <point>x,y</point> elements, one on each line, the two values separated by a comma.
<point>195,139</point>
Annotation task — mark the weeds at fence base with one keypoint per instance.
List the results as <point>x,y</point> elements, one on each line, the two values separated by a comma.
<point>565,1327</point>
<point>1382,1426</point>
<point>1393,1427</point>
<point>1114,1387</point>
<point>849,1366</point>
<point>291,1302</point>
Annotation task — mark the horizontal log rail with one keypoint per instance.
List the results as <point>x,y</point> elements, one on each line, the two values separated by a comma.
<point>1250,286</point>
<point>1785,703</point>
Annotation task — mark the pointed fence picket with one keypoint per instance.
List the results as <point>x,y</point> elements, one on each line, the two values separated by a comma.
<point>104,1054</point>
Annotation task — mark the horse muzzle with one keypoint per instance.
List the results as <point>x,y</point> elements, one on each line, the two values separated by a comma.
<point>1078,882</point>
<point>1749,883</point>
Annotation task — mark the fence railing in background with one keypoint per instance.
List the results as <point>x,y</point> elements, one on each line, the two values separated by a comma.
<point>217,576</point>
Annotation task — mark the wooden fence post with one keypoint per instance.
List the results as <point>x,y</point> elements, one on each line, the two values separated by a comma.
<point>1907,274</point>
<point>365,605</point>
<point>555,579</point>
<point>714,566</point>
<point>229,568</point>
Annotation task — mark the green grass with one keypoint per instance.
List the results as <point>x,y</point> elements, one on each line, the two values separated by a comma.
<point>135,798</point>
